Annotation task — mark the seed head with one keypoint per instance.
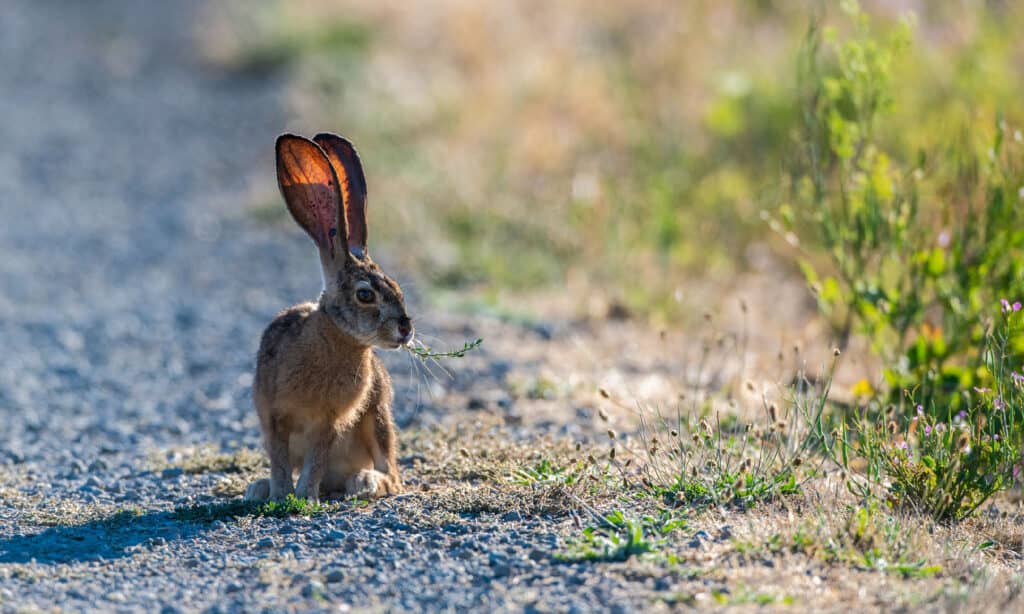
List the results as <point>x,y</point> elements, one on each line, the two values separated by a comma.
<point>773,412</point>
<point>836,352</point>
<point>891,427</point>
<point>578,446</point>
<point>603,416</point>
<point>611,434</point>
<point>464,452</point>
<point>611,454</point>
<point>797,461</point>
<point>674,433</point>
<point>603,393</point>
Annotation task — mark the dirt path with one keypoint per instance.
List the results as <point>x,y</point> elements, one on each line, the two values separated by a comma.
<point>134,288</point>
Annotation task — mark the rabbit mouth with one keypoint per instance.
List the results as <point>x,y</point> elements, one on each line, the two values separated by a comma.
<point>393,342</point>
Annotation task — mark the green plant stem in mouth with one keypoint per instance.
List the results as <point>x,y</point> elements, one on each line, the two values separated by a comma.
<point>424,352</point>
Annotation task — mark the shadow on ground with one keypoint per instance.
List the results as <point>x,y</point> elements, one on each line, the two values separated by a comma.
<point>114,537</point>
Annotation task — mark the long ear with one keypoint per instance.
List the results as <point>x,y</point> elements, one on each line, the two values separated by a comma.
<point>352,182</point>
<point>310,189</point>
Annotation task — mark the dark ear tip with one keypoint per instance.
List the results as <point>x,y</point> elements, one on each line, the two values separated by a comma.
<point>330,136</point>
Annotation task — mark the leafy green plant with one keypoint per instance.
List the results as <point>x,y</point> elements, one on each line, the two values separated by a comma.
<point>945,467</point>
<point>916,248</point>
<point>621,536</point>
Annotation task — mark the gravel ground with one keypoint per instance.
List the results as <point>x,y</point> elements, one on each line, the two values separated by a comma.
<point>133,289</point>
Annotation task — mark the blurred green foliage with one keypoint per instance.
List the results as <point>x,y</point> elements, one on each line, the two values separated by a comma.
<point>919,248</point>
<point>621,148</point>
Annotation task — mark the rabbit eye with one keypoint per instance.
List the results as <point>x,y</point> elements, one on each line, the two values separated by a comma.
<point>364,296</point>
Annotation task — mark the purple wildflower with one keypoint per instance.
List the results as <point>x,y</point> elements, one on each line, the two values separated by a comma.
<point>927,429</point>
<point>998,403</point>
<point>920,410</point>
<point>1016,306</point>
<point>1005,305</point>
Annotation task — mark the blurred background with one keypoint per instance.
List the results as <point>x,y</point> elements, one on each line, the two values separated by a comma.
<point>539,161</point>
<point>615,158</point>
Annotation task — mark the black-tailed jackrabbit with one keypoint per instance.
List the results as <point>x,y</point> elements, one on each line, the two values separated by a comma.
<point>322,395</point>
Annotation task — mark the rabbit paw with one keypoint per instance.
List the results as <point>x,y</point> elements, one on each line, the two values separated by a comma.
<point>258,490</point>
<point>305,491</point>
<point>369,484</point>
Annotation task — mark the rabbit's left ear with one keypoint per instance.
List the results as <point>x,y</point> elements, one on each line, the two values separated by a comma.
<point>352,183</point>
<point>310,189</point>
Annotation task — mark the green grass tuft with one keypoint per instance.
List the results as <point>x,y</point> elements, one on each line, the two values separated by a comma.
<point>238,508</point>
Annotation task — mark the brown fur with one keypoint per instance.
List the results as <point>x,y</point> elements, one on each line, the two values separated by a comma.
<point>323,397</point>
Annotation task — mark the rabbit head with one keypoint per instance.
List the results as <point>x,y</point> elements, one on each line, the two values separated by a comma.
<point>324,187</point>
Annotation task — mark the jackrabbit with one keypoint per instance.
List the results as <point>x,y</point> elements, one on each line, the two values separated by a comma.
<point>322,395</point>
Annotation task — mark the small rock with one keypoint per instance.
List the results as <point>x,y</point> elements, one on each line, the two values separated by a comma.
<point>313,589</point>
<point>98,465</point>
<point>171,472</point>
<point>335,576</point>
<point>266,542</point>
<point>513,516</point>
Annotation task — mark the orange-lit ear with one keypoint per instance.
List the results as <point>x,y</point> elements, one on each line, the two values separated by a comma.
<point>310,189</point>
<point>352,183</point>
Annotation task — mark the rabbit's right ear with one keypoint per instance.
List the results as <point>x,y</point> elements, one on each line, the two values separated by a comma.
<point>310,189</point>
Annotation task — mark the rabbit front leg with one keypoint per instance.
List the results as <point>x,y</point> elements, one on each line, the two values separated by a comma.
<point>314,466</point>
<point>280,462</point>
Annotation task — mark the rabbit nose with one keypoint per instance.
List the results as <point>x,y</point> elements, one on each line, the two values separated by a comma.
<point>404,326</point>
